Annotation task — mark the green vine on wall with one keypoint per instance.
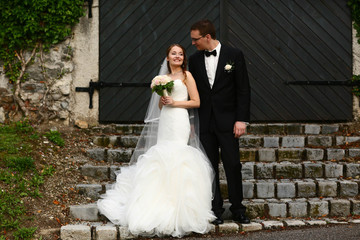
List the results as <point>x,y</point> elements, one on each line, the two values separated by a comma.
<point>355,16</point>
<point>30,26</point>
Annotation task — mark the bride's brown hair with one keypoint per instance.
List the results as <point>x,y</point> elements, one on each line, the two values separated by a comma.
<point>183,66</point>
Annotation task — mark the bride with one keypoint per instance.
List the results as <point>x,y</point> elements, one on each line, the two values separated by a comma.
<point>167,189</point>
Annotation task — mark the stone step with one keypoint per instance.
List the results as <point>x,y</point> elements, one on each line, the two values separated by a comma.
<point>260,208</point>
<point>123,155</point>
<point>246,141</point>
<point>266,189</point>
<point>253,128</point>
<point>258,171</point>
<point>99,230</point>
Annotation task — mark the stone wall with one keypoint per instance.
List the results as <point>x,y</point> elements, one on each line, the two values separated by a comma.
<point>74,63</point>
<point>51,83</point>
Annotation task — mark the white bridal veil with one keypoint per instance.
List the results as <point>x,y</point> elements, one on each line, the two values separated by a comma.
<point>148,137</point>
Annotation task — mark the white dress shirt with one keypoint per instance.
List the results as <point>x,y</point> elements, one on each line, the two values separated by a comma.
<point>211,63</point>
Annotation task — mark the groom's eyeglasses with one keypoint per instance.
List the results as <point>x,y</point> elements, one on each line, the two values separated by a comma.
<point>196,39</point>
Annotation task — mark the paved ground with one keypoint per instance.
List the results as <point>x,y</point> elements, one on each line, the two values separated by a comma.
<point>329,232</point>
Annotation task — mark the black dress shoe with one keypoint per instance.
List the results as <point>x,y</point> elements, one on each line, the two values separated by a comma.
<point>217,221</point>
<point>240,218</point>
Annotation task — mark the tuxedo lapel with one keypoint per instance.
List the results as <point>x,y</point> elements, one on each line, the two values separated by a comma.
<point>221,64</point>
<point>202,69</point>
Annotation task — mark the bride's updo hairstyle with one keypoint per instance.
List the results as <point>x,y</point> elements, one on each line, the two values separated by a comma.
<point>183,66</point>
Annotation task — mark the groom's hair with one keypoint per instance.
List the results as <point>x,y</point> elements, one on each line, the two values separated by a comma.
<point>205,27</point>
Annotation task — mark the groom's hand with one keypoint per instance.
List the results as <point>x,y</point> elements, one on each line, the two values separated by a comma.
<point>239,129</point>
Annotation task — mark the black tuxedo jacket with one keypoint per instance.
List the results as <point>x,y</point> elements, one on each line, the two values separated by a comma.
<point>229,98</point>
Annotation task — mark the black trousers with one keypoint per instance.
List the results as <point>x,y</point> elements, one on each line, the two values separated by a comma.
<point>230,157</point>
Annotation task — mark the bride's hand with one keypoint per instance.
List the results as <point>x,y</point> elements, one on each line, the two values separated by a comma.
<point>167,101</point>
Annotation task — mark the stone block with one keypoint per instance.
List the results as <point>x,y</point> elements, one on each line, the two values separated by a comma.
<point>335,154</point>
<point>249,141</point>
<point>327,188</point>
<point>348,189</point>
<point>293,129</point>
<point>306,189</point>
<point>297,209</point>
<point>355,206</point>
<point>340,140</point>
<point>290,154</point>
<point>352,139</point>
<point>229,227</point>
<point>106,233</point>
<point>248,155</point>
<point>339,207</point>
<point>265,189</point>
<point>354,152</point>
<point>113,172</point>
<point>293,142</point>
<point>315,222</point>
<point>251,227</point>
<point>319,141</point>
<point>333,170</point>
<point>125,233</point>
<point>277,209</point>
<point>313,170</point>
<point>97,172</point>
<point>267,155</point>
<point>102,141</point>
<point>115,141</point>
<point>276,129</point>
<point>318,208</point>
<point>314,154</point>
<point>248,189</point>
<point>119,155</point>
<point>258,129</point>
<point>352,170</point>
<point>129,141</point>
<point>222,175</point>
<point>272,224</point>
<point>89,190</point>
<point>84,212</point>
<point>97,154</point>
<point>312,129</point>
<point>78,232</point>
<point>254,210</point>
<point>329,129</point>
<point>247,171</point>
<point>293,223</point>
<point>271,142</point>
<point>264,171</point>
<point>224,189</point>
<point>286,190</point>
<point>288,171</point>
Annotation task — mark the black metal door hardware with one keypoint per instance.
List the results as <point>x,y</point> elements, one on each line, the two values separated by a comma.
<point>99,85</point>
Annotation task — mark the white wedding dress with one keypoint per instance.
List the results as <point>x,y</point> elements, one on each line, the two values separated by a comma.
<point>169,189</point>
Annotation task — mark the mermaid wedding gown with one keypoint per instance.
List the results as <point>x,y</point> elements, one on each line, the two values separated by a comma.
<point>169,189</point>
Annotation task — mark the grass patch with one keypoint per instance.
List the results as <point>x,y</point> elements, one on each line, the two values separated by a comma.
<point>19,177</point>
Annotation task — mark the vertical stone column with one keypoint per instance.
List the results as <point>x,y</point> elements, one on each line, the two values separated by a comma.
<point>356,71</point>
<point>86,60</point>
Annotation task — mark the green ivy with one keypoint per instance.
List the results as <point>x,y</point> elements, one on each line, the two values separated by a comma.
<point>355,15</point>
<point>29,25</point>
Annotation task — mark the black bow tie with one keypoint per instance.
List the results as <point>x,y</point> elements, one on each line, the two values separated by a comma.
<point>208,54</point>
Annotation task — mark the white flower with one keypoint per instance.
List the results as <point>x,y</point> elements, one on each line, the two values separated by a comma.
<point>228,67</point>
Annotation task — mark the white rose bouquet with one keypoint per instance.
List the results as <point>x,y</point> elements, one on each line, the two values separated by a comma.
<point>162,85</point>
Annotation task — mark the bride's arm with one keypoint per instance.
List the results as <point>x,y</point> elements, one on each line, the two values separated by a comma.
<point>193,102</point>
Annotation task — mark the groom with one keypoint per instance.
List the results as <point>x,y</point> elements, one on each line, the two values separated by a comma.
<point>223,84</point>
